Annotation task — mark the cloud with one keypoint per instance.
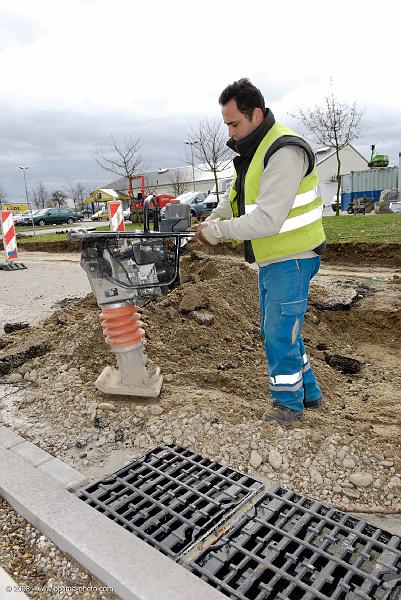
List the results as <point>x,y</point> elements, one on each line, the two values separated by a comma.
<point>76,71</point>
<point>59,145</point>
<point>17,27</point>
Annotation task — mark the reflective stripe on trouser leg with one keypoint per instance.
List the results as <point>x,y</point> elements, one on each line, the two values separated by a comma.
<point>283,290</point>
<point>305,362</point>
<point>312,390</point>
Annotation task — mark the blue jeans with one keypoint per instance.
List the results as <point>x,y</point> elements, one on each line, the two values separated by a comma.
<point>283,297</point>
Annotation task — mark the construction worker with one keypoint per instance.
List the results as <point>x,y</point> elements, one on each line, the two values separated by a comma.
<point>274,206</point>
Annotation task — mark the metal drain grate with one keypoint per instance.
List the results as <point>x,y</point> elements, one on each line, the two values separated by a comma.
<point>290,547</point>
<point>171,498</point>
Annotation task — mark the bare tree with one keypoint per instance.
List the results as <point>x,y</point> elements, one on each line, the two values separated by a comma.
<point>124,159</point>
<point>3,194</point>
<point>58,199</point>
<point>77,192</point>
<point>210,147</point>
<point>334,124</point>
<point>178,181</point>
<point>40,195</point>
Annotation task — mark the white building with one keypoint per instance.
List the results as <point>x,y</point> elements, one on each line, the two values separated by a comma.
<point>326,163</point>
<point>166,181</point>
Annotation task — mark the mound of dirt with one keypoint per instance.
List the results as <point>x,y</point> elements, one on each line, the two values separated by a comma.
<point>55,246</point>
<point>364,254</point>
<point>358,254</point>
<point>205,337</point>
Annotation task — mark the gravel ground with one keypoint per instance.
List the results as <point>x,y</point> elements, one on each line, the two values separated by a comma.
<point>39,567</point>
<point>347,453</point>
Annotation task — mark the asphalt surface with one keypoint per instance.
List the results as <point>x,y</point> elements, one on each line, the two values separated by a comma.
<point>32,294</point>
<point>85,223</point>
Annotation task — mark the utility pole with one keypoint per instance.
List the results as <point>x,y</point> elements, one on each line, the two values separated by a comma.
<point>27,198</point>
<point>192,144</point>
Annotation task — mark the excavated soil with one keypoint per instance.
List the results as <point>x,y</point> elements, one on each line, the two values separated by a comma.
<point>387,255</point>
<point>353,254</point>
<point>55,246</point>
<point>205,337</point>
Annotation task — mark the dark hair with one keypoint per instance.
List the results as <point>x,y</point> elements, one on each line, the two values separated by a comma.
<point>247,96</point>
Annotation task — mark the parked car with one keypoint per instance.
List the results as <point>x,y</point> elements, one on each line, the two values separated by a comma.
<point>194,199</point>
<point>17,217</point>
<point>80,215</point>
<point>87,212</point>
<point>100,215</point>
<point>211,201</point>
<point>333,203</point>
<point>50,216</point>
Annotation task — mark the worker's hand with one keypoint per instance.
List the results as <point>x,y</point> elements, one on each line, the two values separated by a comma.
<point>205,234</point>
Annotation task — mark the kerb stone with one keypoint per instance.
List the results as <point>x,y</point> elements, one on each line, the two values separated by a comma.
<point>8,438</point>
<point>31,453</point>
<point>69,477</point>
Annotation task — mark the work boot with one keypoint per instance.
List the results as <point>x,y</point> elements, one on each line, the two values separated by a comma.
<point>283,415</point>
<point>313,403</point>
<point>312,397</point>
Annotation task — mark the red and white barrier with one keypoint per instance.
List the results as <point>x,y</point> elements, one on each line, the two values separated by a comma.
<point>116,215</point>
<point>9,237</point>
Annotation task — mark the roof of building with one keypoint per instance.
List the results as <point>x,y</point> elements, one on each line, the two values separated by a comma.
<point>109,191</point>
<point>325,152</point>
<point>169,176</point>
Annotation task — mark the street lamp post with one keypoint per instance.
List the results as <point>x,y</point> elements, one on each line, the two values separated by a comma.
<point>192,144</point>
<point>27,198</point>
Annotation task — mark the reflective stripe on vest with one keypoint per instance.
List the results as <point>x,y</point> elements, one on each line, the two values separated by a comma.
<point>295,222</point>
<point>300,200</point>
<point>302,230</point>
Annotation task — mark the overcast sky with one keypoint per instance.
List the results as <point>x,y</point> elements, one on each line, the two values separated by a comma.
<point>75,72</point>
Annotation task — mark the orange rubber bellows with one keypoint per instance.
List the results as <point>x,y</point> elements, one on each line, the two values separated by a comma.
<point>124,333</point>
<point>122,326</point>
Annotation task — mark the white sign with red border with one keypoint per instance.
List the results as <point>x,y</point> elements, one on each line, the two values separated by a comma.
<point>9,237</point>
<point>116,216</point>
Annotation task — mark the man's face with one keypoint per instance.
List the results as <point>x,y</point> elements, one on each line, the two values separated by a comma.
<point>239,126</point>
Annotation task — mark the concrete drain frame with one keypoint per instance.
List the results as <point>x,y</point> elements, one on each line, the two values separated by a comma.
<point>223,527</point>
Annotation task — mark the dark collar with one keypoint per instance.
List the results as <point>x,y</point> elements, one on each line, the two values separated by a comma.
<point>247,145</point>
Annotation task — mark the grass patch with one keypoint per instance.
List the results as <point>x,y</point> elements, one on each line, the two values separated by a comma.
<point>128,227</point>
<point>22,228</point>
<point>59,237</point>
<point>380,229</point>
<point>352,229</point>
<point>39,239</point>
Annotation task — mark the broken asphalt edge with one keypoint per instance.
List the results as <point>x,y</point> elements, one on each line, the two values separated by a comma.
<point>134,570</point>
